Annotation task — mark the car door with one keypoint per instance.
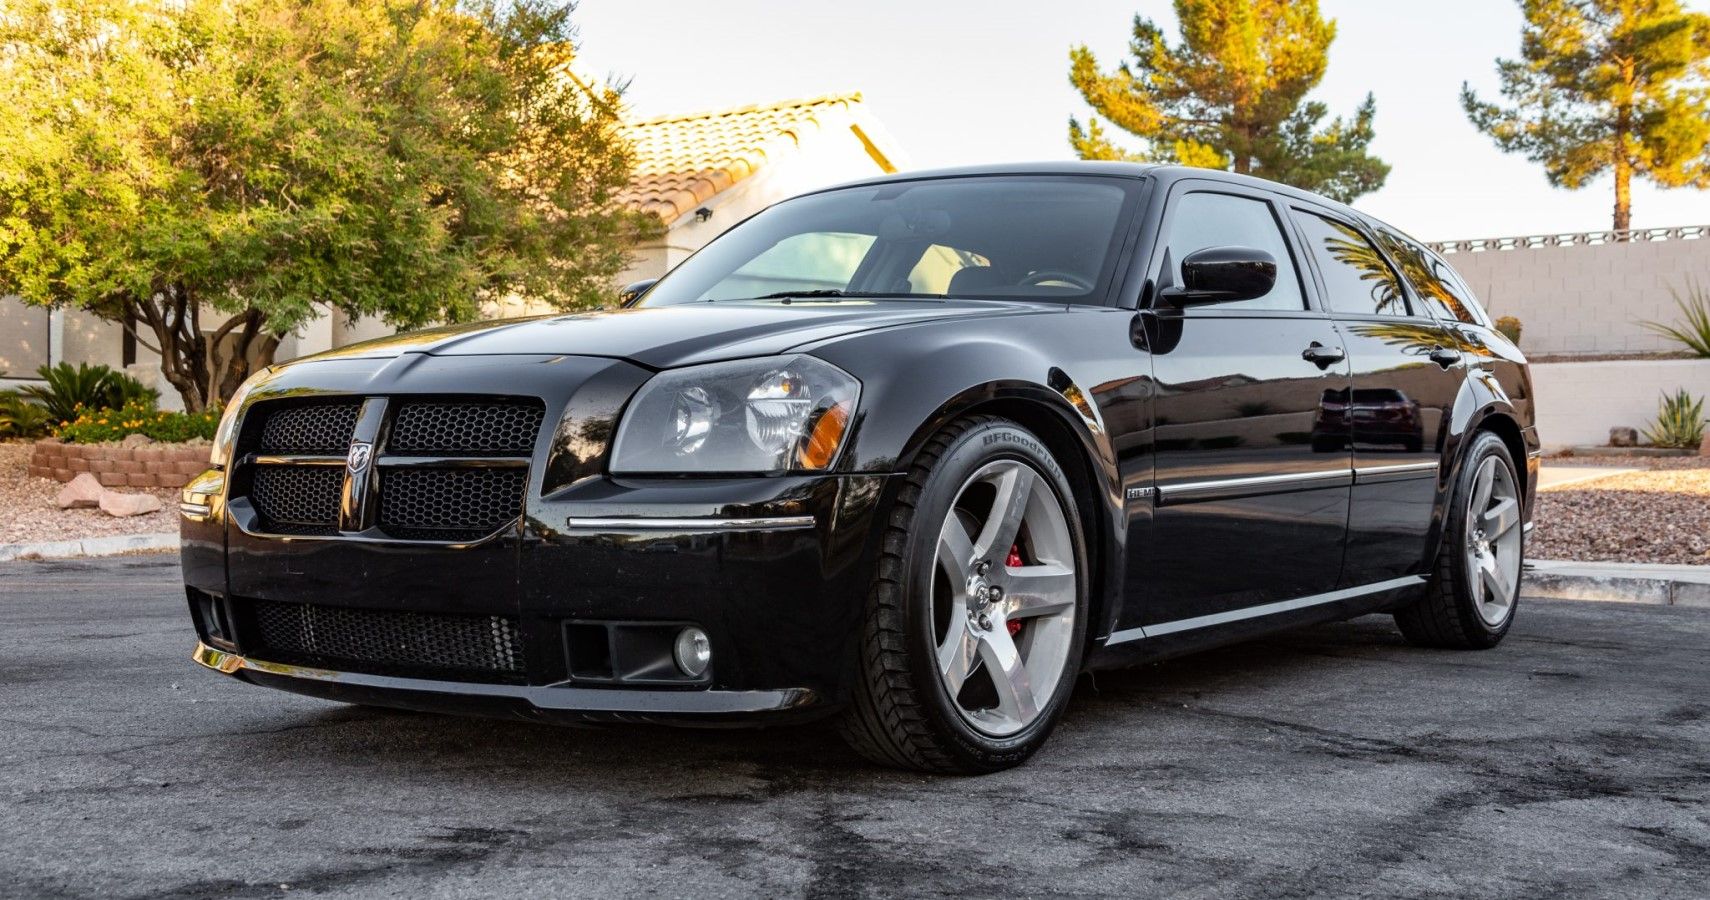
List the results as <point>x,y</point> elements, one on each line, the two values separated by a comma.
<point>1252,478</point>
<point>1406,373</point>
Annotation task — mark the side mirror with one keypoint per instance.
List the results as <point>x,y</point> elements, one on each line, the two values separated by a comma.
<point>632,292</point>
<point>1222,275</point>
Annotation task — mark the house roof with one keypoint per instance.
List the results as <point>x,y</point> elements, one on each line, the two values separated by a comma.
<point>681,161</point>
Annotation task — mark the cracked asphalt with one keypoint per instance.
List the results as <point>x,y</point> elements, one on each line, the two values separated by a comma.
<point>1572,760</point>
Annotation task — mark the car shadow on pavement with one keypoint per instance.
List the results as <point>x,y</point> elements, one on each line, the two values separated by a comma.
<point>362,737</point>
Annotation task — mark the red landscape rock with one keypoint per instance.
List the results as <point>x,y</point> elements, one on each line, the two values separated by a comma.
<point>84,492</point>
<point>120,505</point>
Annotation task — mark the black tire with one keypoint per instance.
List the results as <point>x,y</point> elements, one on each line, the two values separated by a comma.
<point>1447,616</point>
<point>902,713</point>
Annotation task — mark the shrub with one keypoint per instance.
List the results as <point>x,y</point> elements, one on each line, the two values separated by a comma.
<point>21,418</point>
<point>1680,422</point>
<point>97,426</point>
<point>1509,327</point>
<point>1693,330</point>
<point>70,391</point>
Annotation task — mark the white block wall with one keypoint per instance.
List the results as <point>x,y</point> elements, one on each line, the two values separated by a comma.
<point>1578,402</point>
<point>1587,299</point>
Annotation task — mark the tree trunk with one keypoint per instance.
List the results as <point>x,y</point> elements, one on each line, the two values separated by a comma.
<point>1623,192</point>
<point>205,369</point>
<point>1623,167</point>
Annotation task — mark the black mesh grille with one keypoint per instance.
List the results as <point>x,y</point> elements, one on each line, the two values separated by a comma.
<point>450,504</point>
<point>497,428</point>
<point>296,497</point>
<point>322,429</point>
<point>388,642</point>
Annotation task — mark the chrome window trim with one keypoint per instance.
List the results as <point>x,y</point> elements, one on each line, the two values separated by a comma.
<point>643,523</point>
<point>1253,612</point>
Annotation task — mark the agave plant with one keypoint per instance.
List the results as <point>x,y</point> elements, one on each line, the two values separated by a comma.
<point>1693,329</point>
<point>1680,422</point>
<point>69,390</point>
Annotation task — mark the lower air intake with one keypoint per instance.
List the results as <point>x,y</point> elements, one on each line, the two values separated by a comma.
<point>386,642</point>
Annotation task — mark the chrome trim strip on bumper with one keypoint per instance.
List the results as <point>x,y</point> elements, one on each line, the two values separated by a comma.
<point>195,512</point>
<point>642,523</point>
<point>547,697</point>
<point>1376,474</point>
<point>1253,612</point>
<point>1244,487</point>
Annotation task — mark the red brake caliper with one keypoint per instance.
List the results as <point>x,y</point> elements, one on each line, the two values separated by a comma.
<point>1013,561</point>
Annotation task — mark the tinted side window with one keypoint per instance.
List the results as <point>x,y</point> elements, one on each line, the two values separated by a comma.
<point>1357,280</point>
<point>1466,306</point>
<point>1429,277</point>
<point>1201,220</point>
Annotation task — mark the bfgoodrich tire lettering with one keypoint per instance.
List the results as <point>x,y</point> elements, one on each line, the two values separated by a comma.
<point>904,712</point>
<point>1474,590</point>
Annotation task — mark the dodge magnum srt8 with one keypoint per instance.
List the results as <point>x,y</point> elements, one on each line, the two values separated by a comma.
<point>913,452</point>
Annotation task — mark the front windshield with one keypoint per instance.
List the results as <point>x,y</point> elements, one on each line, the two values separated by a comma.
<point>1052,238</point>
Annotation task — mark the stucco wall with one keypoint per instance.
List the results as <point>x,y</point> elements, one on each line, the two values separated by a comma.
<point>1578,402</point>
<point>1587,299</point>
<point>24,337</point>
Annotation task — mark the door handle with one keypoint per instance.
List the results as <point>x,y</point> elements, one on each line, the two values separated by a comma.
<point>1323,357</point>
<point>1445,356</point>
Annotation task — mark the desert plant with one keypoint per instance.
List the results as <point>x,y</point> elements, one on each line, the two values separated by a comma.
<point>69,391</point>
<point>1693,329</point>
<point>98,426</point>
<point>1509,327</point>
<point>1680,422</point>
<point>20,418</point>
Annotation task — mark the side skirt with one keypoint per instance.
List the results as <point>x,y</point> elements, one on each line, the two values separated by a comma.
<point>1166,639</point>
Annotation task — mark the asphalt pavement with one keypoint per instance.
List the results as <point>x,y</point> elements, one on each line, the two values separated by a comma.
<point>1332,761</point>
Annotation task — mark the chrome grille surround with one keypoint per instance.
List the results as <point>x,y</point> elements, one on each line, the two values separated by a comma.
<point>442,469</point>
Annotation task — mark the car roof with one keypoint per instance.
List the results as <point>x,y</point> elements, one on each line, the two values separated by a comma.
<point>1164,174</point>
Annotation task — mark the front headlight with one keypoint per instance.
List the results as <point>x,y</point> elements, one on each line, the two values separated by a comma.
<point>779,414</point>
<point>226,434</point>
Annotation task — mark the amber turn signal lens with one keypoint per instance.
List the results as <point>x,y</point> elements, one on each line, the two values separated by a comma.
<point>822,444</point>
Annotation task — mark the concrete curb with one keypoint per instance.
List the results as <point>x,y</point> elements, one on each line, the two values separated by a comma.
<point>101,546</point>
<point>1619,583</point>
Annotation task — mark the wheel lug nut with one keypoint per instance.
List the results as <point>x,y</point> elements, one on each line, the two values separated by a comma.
<point>982,567</point>
<point>986,622</point>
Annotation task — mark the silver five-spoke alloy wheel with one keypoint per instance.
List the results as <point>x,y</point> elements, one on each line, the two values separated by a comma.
<point>1004,597</point>
<point>1493,541</point>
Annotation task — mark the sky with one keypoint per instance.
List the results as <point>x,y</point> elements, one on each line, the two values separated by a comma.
<point>959,82</point>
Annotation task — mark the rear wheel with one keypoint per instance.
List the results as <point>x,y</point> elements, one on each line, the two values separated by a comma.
<point>1475,587</point>
<point>975,624</point>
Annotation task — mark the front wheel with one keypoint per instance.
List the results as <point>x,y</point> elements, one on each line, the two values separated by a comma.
<point>1470,600</point>
<point>975,624</point>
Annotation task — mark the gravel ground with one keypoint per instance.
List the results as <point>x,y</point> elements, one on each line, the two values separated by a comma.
<point>27,513</point>
<point>1658,515</point>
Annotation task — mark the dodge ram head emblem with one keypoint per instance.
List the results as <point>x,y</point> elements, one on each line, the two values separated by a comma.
<point>359,454</point>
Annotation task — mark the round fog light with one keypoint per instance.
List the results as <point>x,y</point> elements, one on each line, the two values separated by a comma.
<point>693,651</point>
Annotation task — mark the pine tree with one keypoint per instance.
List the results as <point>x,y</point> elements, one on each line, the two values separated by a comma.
<point>1606,86</point>
<point>1231,95</point>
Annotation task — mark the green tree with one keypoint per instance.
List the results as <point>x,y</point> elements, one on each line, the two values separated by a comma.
<point>1231,95</point>
<point>1606,86</point>
<point>220,172</point>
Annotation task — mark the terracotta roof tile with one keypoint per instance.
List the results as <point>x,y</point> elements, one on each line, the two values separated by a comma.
<point>682,161</point>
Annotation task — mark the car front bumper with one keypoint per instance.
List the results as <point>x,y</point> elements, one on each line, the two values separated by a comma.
<point>775,570</point>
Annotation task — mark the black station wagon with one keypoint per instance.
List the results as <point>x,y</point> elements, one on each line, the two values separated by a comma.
<point>913,452</point>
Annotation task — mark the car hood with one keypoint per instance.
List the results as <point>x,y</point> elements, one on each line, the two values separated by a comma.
<point>667,336</point>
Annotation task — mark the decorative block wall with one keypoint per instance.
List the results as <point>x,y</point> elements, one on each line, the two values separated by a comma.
<point>147,466</point>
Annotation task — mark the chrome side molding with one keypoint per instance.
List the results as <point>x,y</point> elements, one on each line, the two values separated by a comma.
<point>1267,609</point>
